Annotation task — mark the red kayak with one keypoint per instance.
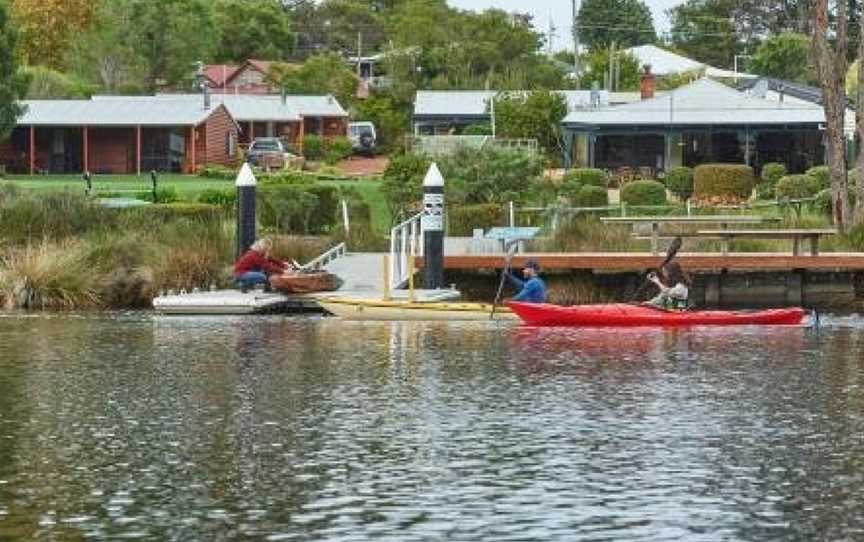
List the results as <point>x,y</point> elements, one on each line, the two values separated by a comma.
<point>624,315</point>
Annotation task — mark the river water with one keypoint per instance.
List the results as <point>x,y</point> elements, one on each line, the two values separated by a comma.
<point>272,428</point>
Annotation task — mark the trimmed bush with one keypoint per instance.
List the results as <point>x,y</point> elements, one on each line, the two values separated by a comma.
<point>679,181</point>
<point>726,181</point>
<point>337,149</point>
<point>644,193</point>
<point>463,219</point>
<point>165,212</point>
<point>225,198</point>
<point>590,196</point>
<point>589,176</point>
<point>821,175</point>
<point>796,187</point>
<point>313,147</point>
<point>216,172</point>
<point>773,172</point>
<point>166,194</point>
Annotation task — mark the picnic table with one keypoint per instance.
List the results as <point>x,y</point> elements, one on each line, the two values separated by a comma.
<point>796,235</point>
<point>656,221</point>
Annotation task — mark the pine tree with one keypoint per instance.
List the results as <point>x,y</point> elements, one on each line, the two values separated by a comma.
<point>13,85</point>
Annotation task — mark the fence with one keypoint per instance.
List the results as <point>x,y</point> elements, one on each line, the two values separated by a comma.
<point>443,145</point>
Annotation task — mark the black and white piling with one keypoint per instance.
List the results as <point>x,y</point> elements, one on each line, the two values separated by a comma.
<point>432,223</point>
<point>245,209</point>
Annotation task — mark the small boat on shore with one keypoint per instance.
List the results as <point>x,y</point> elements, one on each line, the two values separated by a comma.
<point>305,283</point>
<point>624,315</point>
<point>376,309</point>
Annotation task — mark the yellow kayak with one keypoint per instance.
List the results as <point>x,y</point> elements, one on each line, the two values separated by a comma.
<point>374,309</point>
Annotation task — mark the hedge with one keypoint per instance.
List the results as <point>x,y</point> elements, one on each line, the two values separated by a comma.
<point>796,187</point>
<point>590,196</point>
<point>221,197</point>
<point>825,204</point>
<point>821,175</point>
<point>679,181</point>
<point>337,149</point>
<point>589,176</point>
<point>733,181</point>
<point>644,193</point>
<point>165,212</point>
<point>463,219</point>
<point>773,172</point>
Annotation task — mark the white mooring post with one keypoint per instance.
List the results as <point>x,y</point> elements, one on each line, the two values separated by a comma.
<point>432,224</point>
<point>245,184</point>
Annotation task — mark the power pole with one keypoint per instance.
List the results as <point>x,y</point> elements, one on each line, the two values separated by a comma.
<point>551,37</point>
<point>359,52</point>
<point>575,39</point>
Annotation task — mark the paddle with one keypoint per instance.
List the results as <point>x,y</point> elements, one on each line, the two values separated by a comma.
<point>670,254</point>
<point>507,259</point>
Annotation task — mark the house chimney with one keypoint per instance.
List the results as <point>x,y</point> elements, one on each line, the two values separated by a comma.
<point>647,83</point>
<point>206,97</point>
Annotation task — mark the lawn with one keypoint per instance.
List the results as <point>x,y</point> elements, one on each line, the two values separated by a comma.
<point>187,187</point>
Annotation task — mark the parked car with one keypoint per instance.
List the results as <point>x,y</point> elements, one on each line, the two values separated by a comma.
<point>363,137</point>
<point>267,153</point>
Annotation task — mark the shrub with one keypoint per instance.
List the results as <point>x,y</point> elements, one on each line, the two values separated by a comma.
<point>285,177</point>
<point>216,172</point>
<point>824,203</point>
<point>478,129</point>
<point>326,212</point>
<point>644,193</point>
<point>796,187</point>
<point>679,181</point>
<point>402,184</point>
<point>225,198</point>
<point>337,149</point>
<point>731,181</point>
<point>589,176</point>
<point>773,172</point>
<point>590,196</point>
<point>286,209</point>
<point>491,175</point>
<point>169,212</point>
<point>821,175</point>
<point>167,194</point>
<point>313,147</point>
<point>464,219</point>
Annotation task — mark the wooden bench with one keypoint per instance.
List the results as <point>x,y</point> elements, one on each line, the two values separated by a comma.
<point>656,221</point>
<point>813,235</point>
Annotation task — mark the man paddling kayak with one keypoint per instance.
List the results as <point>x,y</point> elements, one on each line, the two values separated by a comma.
<point>532,289</point>
<point>674,287</point>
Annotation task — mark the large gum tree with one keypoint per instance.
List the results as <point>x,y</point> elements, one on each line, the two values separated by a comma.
<point>13,85</point>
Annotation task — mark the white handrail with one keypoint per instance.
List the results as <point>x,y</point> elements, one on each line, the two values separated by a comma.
<point>333,254</point>
<point>406,241</point>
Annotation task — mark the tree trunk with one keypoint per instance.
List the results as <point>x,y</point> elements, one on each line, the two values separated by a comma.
<point>858,187</point>
<point>831,65</point>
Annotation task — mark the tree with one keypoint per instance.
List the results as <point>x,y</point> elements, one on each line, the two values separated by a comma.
<point>784,56</point>
<point>169,37</point>
<point>252,29</point>
<point>105,56</point>
<point>597,64</point>
<point>46,83</point>
<point>391,120</point>
<point>336,25</point>
<point>831,64</point>
<point>705,30</point>
<point>859,95</point>
<point>531,115</point>
<point>13,84</point>
<point>48,28</point>
<point>320,74</point>
<point>626,23</point>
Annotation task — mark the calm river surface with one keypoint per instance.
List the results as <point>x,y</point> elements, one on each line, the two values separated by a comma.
<point>160,428</point>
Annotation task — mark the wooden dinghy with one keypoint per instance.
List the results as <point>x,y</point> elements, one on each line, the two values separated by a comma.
<point>376,309</point>
<point>305,283</point>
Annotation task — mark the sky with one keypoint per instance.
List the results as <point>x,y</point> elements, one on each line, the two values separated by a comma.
<point>559,12</point>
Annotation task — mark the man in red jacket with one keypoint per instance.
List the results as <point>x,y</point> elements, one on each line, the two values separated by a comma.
<point>255,266</point>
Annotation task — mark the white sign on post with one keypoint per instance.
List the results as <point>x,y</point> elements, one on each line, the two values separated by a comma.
<point>433,212</point>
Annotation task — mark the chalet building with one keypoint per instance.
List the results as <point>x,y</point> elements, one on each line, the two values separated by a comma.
<point>248,78</point>
<point>119,136</point>
<point>130,134</point>
<point>449,112</point>
<point>704,121</point>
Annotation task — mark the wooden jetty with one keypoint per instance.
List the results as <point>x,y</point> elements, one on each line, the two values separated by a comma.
<point>630,261</point>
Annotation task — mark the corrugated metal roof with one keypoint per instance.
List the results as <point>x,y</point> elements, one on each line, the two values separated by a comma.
<point>703,102</point>
<point>473,103</point>
<point>665,62</point>
<point>256,107</point>
<point>114,113</point>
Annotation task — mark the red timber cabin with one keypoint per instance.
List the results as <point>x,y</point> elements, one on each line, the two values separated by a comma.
<point>128,135</point>
<point>248,78</point>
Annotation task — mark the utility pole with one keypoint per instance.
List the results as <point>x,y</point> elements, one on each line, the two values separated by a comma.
<point>359,52</point>
<point>575,39</point>
<point>551,37</point>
